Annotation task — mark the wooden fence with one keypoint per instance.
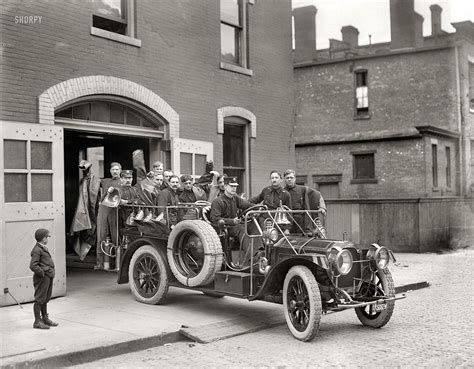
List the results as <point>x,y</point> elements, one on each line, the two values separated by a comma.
<point>404,225</point>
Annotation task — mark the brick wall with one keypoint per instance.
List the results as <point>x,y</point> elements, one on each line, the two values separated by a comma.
<point>178,61</point>
<point>405,90</point>
<point>398,167</point>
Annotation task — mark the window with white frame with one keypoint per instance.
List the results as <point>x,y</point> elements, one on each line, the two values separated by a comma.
<point>28,171</point>
<point>115,16</point>
<point>234,32</point>
<point>361,93</point>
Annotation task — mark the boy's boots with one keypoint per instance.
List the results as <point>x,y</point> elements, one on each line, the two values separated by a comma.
<point>38,324</point>
<point>45,319</point>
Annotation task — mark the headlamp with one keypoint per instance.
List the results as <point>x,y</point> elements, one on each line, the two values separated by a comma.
<point>341,260</point>
<point>380,255</point>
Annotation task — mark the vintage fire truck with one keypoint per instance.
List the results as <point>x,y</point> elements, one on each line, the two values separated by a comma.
<point>305,271</point>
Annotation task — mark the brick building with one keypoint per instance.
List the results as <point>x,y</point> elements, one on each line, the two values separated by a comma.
<point>386,120</point>
<point>386,130</point>
<point>184,81</point>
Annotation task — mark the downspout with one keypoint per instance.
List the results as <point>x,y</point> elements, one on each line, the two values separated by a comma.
<point>459,118</point>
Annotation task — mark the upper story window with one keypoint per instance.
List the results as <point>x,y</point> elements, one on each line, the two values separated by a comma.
<point>234,32</point>
<point>361,94</point>
<point>115,20</point>
<point>364,167</point>
<point>110,15</point>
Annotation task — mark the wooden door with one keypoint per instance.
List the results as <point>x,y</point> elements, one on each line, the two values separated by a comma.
<point>31,197</point>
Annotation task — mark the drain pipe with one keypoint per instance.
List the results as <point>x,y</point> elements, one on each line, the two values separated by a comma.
<point>459,118</point>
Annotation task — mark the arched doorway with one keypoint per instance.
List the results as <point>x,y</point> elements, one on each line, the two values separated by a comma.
<point>104,129</point>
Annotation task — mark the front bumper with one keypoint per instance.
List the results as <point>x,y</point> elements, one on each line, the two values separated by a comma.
<point>357,304</point>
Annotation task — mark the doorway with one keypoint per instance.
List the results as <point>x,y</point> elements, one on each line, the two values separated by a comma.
<point>100,149</point>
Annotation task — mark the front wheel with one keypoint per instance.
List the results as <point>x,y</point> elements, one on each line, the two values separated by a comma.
<point>302,303</point>
<point>148,275</point>
<point>379,284</point>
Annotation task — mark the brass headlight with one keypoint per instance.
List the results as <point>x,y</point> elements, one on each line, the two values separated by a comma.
<point>341,260</point>
<point>380,255</point>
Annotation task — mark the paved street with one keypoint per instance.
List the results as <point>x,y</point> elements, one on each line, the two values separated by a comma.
<point>431,328</point>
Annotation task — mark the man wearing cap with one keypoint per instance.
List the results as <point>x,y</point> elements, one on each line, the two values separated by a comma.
<point>107,217</point>
<point>169,197</point>
<point>224,210</point>
<point>302,198</point>
<point>42,265</point>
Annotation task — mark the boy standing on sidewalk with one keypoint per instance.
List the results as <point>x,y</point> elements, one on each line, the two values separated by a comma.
<point>43,266</point>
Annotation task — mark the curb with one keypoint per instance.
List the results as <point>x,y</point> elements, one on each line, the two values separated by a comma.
<point>97,353</point>
<point>411,286</point>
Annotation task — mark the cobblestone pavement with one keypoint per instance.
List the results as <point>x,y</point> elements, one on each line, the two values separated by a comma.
<point>432,328</point>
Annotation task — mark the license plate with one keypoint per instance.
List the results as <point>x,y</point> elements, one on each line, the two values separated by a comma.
<point>380,306</point>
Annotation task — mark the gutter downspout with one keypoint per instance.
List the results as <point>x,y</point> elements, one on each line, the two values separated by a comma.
<point>459,118</point>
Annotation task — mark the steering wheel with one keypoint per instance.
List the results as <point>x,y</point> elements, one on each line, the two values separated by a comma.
<point>255,207</point>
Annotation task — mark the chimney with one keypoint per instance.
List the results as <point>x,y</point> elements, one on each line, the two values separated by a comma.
<point>435,19</point>
<point>402,23</point>
<point>350,35</point>
<point>419,40</point>
<point>305,33</point>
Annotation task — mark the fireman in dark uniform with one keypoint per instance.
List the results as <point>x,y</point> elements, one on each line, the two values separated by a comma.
<point>302,198</point>
<point>273,195</point>
<point>107,217</point>
<point>224,209</point>
<point>169,197</point>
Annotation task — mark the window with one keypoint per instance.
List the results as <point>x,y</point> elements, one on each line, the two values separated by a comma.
<point>234,32</point>
<point>235,156</point>
<point>434,167</point>
<point>115,20</point>
<point>108,112</point>
<point>364,167</point>
<point>448,167</point>
<point>361,94</point>
<point>28,171</point>
<point>193,164</point>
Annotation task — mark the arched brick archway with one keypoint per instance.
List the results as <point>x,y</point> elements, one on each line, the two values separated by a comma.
<point>74,88</point>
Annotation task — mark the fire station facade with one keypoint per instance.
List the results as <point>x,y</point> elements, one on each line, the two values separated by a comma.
<point>185,82</point>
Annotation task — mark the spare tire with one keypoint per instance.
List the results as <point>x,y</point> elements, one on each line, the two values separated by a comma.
<point>194,253</point>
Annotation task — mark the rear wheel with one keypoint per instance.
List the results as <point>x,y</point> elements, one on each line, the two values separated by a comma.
<point>302,303</point>
<point>378,284</point>
<point>194,252</point>
<point>148,275</point>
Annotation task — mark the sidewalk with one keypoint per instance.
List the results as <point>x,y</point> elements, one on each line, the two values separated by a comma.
<point>99,318</point>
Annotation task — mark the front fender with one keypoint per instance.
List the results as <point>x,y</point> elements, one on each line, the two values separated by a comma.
<point>122,276</point>
<point>317,263</point>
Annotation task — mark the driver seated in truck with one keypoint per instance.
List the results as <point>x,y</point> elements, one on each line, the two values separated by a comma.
<point>224,210</point>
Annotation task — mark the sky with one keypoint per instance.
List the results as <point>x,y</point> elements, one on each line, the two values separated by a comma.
<point>372,17</point>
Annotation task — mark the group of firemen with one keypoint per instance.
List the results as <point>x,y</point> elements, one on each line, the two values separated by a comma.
<point>161,189</point>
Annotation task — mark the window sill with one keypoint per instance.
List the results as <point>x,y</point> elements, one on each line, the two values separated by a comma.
<point>435,189</point>
<point>364,180</point>
<point>236,68</point>
<point>116,37</point>
<point>362,117</point>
